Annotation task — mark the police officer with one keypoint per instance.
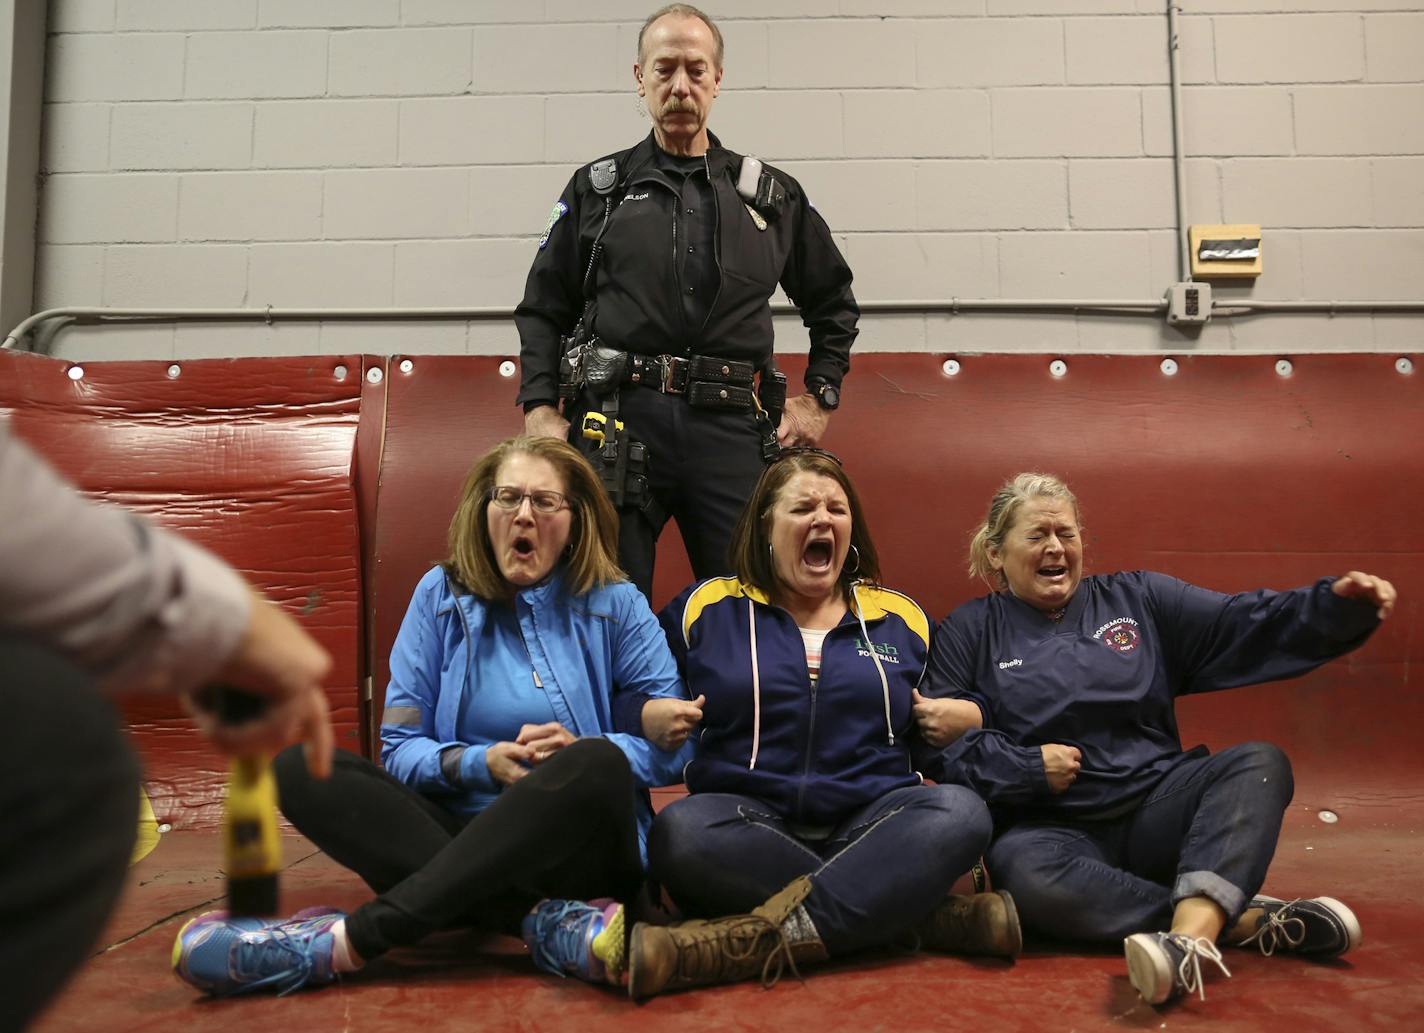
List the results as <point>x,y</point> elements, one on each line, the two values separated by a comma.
<point>665,257</point>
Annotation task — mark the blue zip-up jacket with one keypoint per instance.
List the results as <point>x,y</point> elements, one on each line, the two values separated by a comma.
<point>584,649</point>
<point>811,754</point>
<point>1105,677</point>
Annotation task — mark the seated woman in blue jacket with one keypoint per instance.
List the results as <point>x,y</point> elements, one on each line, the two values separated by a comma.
<point>1105,829</point>
<point>806,819</point>
<point>504,784</point>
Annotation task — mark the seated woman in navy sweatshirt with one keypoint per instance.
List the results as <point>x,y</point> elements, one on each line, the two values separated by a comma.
<point>1054,697</point>
<point>806,819</point>
<point>504,782</point>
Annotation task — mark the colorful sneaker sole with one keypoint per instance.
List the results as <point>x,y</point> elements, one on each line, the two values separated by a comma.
<point>611,945</point>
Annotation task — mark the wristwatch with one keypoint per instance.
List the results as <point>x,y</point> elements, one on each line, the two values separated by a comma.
<point>828,396</point>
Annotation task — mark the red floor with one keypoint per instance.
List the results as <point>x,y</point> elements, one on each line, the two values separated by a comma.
<point>1372,859</point>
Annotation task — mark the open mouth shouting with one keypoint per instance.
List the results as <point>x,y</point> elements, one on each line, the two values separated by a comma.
<point>529,519</point>
<point>1041,559</point>
<point>819,554</point>
<point>810,535</point>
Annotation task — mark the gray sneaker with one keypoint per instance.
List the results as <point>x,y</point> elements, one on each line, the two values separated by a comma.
<point>1321,927</point>
<point>1162,966</point>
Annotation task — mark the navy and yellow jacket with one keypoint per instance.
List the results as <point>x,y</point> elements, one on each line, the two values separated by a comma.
<point>812,754</point>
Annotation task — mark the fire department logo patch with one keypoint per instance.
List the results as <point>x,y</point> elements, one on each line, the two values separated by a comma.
<point>1121,636</point>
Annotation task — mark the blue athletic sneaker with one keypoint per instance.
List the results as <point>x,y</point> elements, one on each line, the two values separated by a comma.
<point>251,923</point>
<point>1322,927</point>
<point>571,938</point>
<point>224,956</point>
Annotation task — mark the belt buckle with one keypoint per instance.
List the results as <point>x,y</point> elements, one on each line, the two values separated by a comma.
<point>669,385</point>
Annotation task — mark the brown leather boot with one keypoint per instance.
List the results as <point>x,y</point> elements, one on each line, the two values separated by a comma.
<point>984,923</point>
<point>724,950</point>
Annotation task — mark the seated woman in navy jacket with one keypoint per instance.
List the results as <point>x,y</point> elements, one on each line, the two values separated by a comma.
<point>1106,829</point>
<point>504,783</point>
<point>805,809</point>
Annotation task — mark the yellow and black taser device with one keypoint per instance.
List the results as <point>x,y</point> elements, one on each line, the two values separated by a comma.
<point>252,849</point>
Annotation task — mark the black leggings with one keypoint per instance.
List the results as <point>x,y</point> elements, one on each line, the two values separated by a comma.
<point>567,829</point>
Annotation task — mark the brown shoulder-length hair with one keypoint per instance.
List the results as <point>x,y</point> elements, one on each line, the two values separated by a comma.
<point>751,539</point>
<point>592,557</point>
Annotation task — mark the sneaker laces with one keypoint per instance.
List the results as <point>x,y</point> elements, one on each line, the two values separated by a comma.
<point>556,937</point>
<point>1189,968</point>
<point>248,955</point>
<point>1279,928</point>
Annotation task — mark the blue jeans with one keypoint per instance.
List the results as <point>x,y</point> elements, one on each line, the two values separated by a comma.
<point>874,876</point>
<point>1208,829</point>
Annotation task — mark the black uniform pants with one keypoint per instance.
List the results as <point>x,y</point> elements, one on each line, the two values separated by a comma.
<point>704,465</point>
<point>567,829</point>
<point>68,819</point>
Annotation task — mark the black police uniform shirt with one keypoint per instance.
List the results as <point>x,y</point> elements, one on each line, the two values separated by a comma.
<point>643,277</point>
<point>696,217</point>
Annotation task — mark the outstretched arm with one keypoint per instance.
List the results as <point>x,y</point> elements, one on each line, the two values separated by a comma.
<point>1376,591</point>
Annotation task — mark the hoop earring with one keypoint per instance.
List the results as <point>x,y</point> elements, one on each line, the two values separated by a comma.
<point>855,569</point>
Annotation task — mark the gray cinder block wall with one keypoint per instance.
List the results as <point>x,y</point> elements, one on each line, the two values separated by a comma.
<point>406,152</point>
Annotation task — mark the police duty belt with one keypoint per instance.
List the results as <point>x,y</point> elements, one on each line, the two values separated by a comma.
<point>705,381</point>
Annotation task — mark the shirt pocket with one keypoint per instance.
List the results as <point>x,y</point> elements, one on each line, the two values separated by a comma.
<point>750,256</point>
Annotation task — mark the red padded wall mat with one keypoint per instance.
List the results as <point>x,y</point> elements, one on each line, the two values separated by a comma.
<point>1225,474</point>
<point>250,457</point>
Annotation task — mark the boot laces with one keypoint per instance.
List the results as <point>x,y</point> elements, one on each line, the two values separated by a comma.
<point>1189,968</point>
<point>728,953</point>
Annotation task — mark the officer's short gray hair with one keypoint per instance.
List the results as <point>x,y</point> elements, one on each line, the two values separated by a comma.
<point>1004,510</point>
<point>684,11</point>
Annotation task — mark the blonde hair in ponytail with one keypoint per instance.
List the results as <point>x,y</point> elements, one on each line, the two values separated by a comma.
<point>1003,511</point>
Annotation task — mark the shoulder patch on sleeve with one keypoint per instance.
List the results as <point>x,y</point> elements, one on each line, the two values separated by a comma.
<point>889,601</point>
<point>555,214</point>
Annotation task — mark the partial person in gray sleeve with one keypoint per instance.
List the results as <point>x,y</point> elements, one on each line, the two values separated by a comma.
<point>94,601</point>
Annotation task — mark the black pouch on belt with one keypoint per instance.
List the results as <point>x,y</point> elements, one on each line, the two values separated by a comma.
<point>724,371</point>
<point>704,395</point>
<point>603,368</point>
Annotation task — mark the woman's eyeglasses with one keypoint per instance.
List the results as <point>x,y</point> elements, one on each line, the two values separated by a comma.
<point>543,501</point>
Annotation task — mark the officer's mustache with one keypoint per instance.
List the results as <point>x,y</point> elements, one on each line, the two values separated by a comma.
<point>680,105</point>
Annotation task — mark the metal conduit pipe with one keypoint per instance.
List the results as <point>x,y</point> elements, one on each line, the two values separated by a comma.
<point>1230,307</point>
<point>87,315</point>
<point>951,306</point>
<point>1179,147</point>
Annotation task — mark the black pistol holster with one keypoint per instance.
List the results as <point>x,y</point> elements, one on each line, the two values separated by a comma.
<point>620,461</point>
<point>590,378</point>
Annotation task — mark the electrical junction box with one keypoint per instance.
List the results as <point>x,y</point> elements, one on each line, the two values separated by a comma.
<point>1188,304</point>
<point>1225,252</point>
